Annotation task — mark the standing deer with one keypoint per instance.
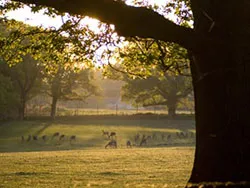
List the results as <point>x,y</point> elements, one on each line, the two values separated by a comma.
<point>112,134</point>
<point>35,138</point>
<point>44,137</point>
<point>105,133</point>
<point>61,137</point>
<point>72,138</point>
<point>154,136</point>
<point>29,138</point>
<point>22,139</point>
<point>163,136</point>
<point>55,135</point>
<point>129,144</point>
<point>111,144</point>
<point>137,137</point>
<point>143,140</point>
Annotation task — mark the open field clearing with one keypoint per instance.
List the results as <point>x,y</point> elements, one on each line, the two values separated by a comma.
<point>136,167</point>
<point>85,163</point>
<point>88,132</point>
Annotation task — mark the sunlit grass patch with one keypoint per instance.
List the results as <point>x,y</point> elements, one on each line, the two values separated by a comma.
<point>147,167</point>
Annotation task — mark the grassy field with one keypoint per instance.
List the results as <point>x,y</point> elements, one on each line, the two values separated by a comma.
<point>85,163</point>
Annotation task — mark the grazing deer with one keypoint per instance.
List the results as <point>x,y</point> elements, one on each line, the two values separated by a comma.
<point>105,133</point>
<point>163,136</point>
<point>137,137</point>
<point>55,135</point>
<point>169,137</point>
<point>129,144</point>
<point>180,135</point>
<point>111,144</point>
<point>44,138</point>
<point>149,137</point>
<point>112,134</point>
<point>154,136</point>
<point>35,138</point>
<point>143,140</point>
<point>191,134</point>
<point>29,138</point>
<point>72,138</point>
<point>61,137</point>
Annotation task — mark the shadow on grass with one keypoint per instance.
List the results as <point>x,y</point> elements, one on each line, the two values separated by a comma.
<point>30,173</point>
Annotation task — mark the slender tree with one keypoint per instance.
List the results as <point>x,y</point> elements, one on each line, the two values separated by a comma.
<point>68,84</point>
<point>219,53</point>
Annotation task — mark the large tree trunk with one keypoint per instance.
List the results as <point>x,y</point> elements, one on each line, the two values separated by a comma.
<point>222,126</point>
<point>53,108</point>
<point>221,79</point>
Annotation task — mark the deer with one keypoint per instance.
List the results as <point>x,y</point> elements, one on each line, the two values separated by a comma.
<point>112,134</point>
<point>44,138</point>
<point>72,138</point>
<point>61,137</point>
<point>105,133</point>
<point>29,138</point>
<point>154,136</point>
<point>111,144</point>
<point>22,139</point>
<point>129,144</point>
<point>35,138</point>
<point>163,136</point>
<point>168,137</point>
<point>137,137</point>
<point>191,134</point>
<point>143,140</point>
<point>55,135</point>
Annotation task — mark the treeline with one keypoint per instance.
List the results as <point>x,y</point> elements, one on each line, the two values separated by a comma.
<point>44,62</point>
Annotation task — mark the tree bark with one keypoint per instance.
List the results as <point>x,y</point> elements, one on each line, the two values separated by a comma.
<point>222,106</point>
<point>222,102</point>
<point>53,108</point>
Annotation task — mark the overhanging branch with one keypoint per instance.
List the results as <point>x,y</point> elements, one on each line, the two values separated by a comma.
<point>129,21</point>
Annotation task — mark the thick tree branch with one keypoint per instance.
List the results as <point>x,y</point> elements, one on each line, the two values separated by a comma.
<point>129,21</point>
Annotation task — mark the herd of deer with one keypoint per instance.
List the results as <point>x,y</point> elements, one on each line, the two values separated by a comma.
<point>60,137</point>
<point>139,140</point>
<point>143,140</point>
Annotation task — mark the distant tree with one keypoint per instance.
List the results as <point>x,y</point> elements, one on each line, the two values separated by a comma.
<point>66,83</point>
<point>56,54</point>
<point>26,80</point>
<point>154,90</point>
<point>160,75</point>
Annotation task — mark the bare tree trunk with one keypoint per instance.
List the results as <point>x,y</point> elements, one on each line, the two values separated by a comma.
<point>22,107</point>
<point>172,110</point>
<point>53,108</point>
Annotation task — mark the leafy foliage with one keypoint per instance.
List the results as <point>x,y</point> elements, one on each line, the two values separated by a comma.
<point>159,73</point>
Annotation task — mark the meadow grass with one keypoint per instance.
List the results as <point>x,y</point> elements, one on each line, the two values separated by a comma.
<point>85,163</point>
<point>136,167</point>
